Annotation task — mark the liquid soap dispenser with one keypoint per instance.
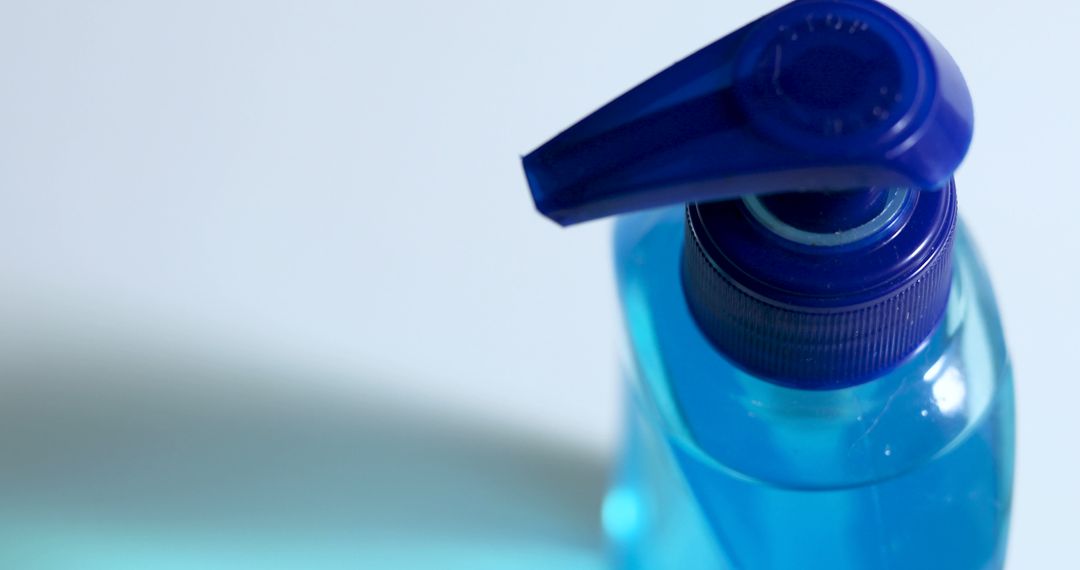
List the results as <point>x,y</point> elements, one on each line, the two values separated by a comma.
<point>816,369</point>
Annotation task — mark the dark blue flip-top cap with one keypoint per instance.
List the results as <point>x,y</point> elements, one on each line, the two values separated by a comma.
<point>821,98</point>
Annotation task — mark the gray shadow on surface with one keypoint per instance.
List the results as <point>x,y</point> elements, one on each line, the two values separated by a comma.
<point>123,458</point>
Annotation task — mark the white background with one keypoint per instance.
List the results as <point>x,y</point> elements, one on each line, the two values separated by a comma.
<point>337,185</point>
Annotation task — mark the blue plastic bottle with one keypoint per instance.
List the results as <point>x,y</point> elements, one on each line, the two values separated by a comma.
<point>817,373</point>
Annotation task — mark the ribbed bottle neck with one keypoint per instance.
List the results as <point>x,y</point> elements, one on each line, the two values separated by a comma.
<point>819,317</point>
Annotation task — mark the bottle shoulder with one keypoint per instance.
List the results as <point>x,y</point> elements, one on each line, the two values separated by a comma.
<point>803,438</point>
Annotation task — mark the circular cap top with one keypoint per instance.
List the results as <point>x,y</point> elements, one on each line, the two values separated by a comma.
<point>831,71</point>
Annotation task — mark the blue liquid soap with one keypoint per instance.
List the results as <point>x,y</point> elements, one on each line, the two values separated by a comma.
<point>817,373</point>
<point>909,470</point>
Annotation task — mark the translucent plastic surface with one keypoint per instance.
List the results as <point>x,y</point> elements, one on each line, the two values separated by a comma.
<point>724,470</point>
